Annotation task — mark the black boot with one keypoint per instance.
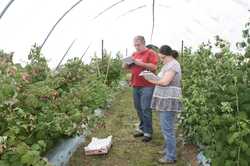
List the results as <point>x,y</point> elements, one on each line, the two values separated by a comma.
<point>138,135</point>
<point>146,139</point>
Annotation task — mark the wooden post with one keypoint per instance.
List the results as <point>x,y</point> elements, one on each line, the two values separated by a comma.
<point>182,59</point>
<point>102,49</point>
<point>182,52</point>
<point>153,21</point>
<point>182,48</point>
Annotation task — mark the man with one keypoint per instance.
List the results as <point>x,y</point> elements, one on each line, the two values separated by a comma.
<point>144,59</point>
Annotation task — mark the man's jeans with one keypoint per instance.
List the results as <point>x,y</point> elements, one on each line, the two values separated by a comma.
<point>142,101</point>
<point>167,122</point>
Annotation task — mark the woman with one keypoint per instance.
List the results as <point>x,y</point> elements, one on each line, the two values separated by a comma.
<point>166,100</point>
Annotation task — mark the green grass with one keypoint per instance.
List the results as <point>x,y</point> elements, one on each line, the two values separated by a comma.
<point>126,150</point>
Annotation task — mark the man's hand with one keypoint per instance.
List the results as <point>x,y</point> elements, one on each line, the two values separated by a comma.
<point>148,66</point>
<point>125,66</point>
<point>139,62</point>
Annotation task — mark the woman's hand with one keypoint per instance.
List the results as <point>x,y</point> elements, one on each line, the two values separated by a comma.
<point>165,80</point>
<point>153,82</point>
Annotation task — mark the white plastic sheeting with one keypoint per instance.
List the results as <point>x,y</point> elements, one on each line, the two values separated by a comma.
<point>193,21</point>
<point>202,160</point>
<point>60,155</point>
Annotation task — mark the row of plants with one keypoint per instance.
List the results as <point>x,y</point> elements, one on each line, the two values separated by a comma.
<point>39,106</point>
<point>216,90</point>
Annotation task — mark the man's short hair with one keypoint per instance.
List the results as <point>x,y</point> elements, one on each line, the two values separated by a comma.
<point>140,38</point>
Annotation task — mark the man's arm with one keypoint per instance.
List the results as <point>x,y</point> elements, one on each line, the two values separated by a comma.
<point>152,65</point>
<point>149,66</point>
<point>125,66</point>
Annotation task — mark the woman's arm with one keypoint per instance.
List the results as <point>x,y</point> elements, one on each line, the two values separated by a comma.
<point>165,80</point>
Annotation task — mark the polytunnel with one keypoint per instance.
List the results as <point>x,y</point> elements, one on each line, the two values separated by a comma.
<point>115,22</point>
<point>74,81</point>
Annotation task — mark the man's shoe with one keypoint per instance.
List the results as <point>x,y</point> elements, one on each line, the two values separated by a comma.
<point>138,135</point>
<point>146,139</point>
<point>162,152</point>
<point>165,161</point>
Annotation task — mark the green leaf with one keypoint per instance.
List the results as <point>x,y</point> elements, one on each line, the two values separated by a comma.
<point>233,138</point>
<point>233,153</point>
<point>76,117</point>
<point>22,148</point>
<point>30,157</point>
<point>229,163</point>
<point>36,147</point>
<point>4,163</point>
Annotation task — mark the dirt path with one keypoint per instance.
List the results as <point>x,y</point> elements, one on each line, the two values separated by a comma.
<point>120,122</point>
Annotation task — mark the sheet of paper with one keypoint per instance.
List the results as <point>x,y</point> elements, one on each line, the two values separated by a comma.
<point>128,60</point>
<point>148,75</point>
